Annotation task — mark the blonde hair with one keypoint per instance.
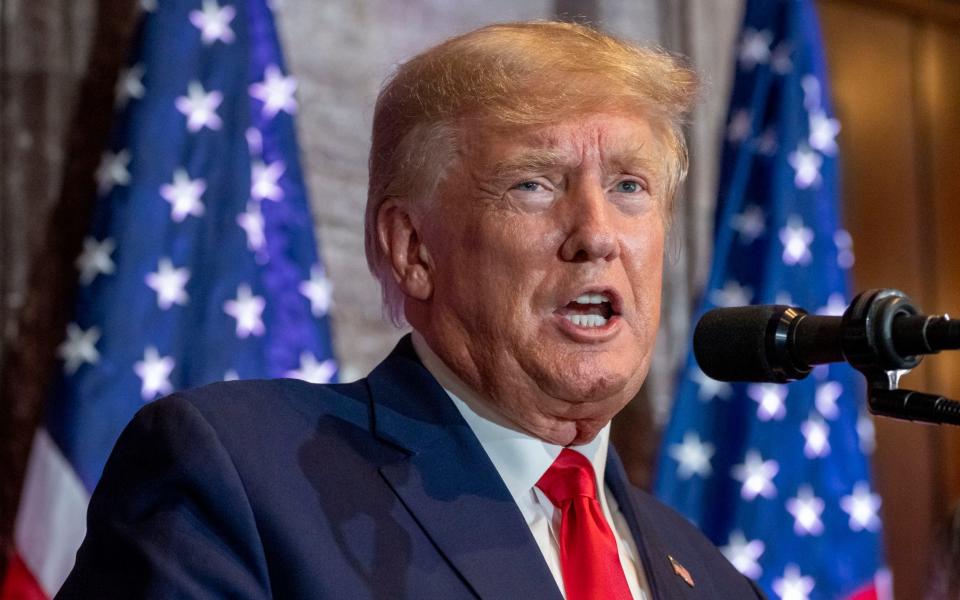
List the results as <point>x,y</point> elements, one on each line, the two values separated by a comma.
<point>512,74</point>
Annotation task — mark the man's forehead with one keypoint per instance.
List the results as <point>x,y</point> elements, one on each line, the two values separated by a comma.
<point>614,137</point>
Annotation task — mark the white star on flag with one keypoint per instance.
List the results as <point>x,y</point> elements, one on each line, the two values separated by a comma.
<point>252,223</point>
<point>826,398</point>
<point>112,171</point>
<point>862,506</point>
<point>79,347</point>
<point>213,21</point>
<point>200,107</point>
<point>168,283</point>
<point>770,398</point>
<point>750,224</point>
<point>796,240</point>
<point>264,178</point>
<point>709,388</point>
<point>130,85</point>
<point>693,456</point>
<point>184,194</point>
<point>313,371</point>
<point>95,259</point>
<point>247,310</point>
<point>866,433</point>
<point>231,375</point>
<point>816,434</point>
<point>823,132</point>
<point>806,509</point>
<point>835,307</point>
<point>744,555</point>
<point>793,585</point>
<point>740,126</point>
<point>844,242</point>
<point>755,48</point>
<point>154,373</point>
<point>780,61</point>
<point>806,165</point>
<point>732,294</point>
<point>756,475</point>
<point>148,5</point>
<point>318,290</point>
<point>276,92</point>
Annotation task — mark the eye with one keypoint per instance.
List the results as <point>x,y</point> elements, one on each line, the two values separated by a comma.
<point>528,186</point>
<point>629,186</point>
<point>531,194</point>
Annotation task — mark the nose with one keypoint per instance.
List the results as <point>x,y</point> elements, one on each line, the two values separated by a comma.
<point>591,235</point>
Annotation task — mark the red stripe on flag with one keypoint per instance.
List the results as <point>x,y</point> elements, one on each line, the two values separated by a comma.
<point>19,583</point>
<point>867,592</point>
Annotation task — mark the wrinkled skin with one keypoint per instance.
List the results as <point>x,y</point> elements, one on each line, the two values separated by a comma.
<point>525,221</point>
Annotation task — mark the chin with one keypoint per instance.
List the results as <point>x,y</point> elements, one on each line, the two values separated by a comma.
<point>568,433</point>
<point>589,382</point>
<point>585,433</point>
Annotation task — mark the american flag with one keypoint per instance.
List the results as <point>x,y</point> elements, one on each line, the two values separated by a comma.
<point>778,475</point>
<point>200,264</point>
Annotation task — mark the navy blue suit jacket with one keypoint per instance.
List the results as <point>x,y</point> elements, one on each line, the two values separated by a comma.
<point>372,489</point>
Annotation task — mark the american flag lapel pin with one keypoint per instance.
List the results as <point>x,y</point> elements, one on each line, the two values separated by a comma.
<point>681,571</point>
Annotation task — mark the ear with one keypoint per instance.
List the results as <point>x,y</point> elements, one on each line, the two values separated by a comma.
<point>399,238</point>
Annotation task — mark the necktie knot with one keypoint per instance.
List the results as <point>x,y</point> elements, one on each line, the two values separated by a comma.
<point>570,475</point>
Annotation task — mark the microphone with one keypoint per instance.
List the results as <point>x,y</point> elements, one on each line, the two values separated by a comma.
<point>777,344</point>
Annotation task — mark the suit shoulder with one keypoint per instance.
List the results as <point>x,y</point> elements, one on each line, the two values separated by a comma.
<point>231,405</point>
<point>262,425</point>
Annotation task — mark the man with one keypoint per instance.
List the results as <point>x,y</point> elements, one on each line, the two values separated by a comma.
<point>521,182</point>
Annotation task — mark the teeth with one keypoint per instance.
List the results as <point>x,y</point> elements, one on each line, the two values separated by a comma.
<point>586,320</point>
<point>592,299</point>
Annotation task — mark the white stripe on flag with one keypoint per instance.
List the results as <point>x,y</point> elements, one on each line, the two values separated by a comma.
<point>884,583</point>
<point>52,518</point>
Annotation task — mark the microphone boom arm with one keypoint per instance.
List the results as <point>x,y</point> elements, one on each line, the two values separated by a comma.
<point>867,342</point>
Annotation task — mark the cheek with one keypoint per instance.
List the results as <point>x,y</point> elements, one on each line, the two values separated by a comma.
<point>488,266</point>
<point>511,250</point>
<point>643,258</point>
<point>645,241</point>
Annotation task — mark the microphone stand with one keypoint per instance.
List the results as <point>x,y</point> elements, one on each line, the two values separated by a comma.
<point>867,343</point>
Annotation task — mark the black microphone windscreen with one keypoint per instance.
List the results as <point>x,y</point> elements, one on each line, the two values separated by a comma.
<point>730,344</point>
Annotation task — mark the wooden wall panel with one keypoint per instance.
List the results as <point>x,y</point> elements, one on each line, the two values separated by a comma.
<point>896,87</point>
<point>939,84</point>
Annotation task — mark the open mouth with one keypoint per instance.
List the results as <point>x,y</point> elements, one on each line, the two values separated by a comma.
<point>590,310</point>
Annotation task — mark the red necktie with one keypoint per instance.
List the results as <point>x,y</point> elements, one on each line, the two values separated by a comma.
<point>588,550</point>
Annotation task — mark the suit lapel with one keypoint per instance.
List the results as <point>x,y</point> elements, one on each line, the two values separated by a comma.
<point>665,584</point>
<point>450,486</point>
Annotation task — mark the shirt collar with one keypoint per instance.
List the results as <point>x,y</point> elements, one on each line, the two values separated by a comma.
<point>520,458</point>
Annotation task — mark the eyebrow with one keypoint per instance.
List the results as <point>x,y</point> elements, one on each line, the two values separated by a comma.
<point>632,157</point>
<point>533,159</point>
<point>537,159</point>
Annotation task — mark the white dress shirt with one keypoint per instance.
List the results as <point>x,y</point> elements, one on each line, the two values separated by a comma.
<point>522,459</point>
